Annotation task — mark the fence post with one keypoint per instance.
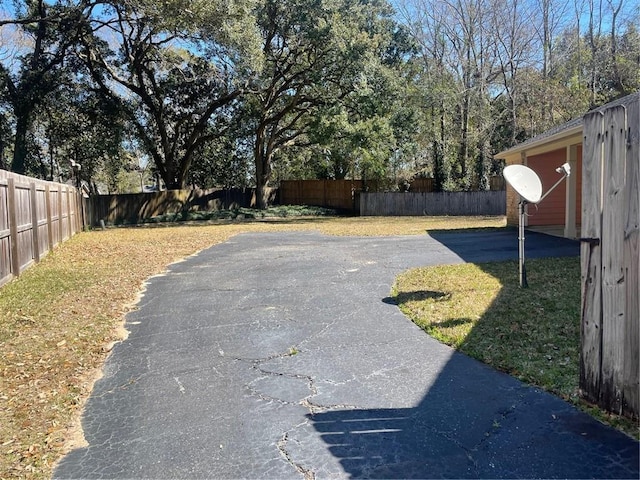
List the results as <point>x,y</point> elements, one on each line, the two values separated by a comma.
<point>610,262</point>
<point>571,193</point>
<point>34,222</point>
<point>83,212</point>
<point>13,227</point>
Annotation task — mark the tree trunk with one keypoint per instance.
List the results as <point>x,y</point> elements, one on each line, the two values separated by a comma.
<point>464,140</point>
<point>547,107</point>
<point>439,166</point>
<point>262,157</point>
<point>173,178</point>
<point>18,165</point>
<point>465,114</point>
<point>594,37</point>
<point>2,160</point>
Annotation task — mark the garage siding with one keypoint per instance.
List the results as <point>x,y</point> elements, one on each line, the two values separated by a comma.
<point>551,210</point>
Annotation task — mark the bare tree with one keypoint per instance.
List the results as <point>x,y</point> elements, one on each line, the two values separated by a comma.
<point>552,19</point>
<point>514,40</point>
<point>427,26</point>
<point>615,12</point>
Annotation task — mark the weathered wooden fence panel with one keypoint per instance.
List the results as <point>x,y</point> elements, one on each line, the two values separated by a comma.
<point>34,216</point>
<point>137,207</point>
<point>434,203</point>
<point>340,194</point>
<point>610,260</point>
<point>421,185</point>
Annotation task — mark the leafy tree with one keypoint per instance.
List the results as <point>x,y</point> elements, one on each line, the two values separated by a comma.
<point>75,125</point>
<point>222,162</point>
<point>33,69</point>
<point>368,134</point>
<point>5,140</point>
<point>314,53</point>
<point>628,62</point>
<point>175,68</point>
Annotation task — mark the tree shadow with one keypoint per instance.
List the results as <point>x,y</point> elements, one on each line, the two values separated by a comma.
<point>476,423</point>
<point>415,296</point>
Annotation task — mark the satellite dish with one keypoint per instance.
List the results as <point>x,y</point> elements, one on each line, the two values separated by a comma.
<point>528,185</point>
<point>524,181</point>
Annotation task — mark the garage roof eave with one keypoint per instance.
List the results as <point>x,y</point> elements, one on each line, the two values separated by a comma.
<point>545,143</point>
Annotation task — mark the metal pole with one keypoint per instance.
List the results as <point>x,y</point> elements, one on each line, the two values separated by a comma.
<point>523,270</point>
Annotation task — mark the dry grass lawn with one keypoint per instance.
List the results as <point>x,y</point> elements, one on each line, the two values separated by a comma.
<point>59,319</point>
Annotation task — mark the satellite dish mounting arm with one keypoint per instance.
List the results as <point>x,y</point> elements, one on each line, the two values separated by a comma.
<point>565,169</point>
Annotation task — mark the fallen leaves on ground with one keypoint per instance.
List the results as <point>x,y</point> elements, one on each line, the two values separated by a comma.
<point>60,318</point>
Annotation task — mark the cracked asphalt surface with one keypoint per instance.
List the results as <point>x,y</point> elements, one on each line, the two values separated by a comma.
<point>276,356</point>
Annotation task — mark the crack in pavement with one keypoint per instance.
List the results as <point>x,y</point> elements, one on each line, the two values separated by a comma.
<point>282,448</point>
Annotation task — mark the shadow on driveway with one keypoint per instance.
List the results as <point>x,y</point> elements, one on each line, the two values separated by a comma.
<point>495,244</point>
<point>474,422</point>
<point>487,426</point>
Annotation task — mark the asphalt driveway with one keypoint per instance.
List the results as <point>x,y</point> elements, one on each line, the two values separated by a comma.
<point>276,356</point>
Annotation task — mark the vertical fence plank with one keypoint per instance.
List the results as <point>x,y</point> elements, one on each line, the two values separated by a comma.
<point>34,222</point>
<point>13,227</point>
<point>68,209</point>
<point>609,366</point>
<point>631,260</point>
<point>74,201</point>
<point>5,245</point>
<point>60,222</point>
<point>613,271</point>
<point>47,200</point>
<point>590,254</point>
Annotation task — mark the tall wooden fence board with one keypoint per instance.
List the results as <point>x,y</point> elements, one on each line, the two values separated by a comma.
<point>5,232</point>
<point>631,261</point>
<point>590,253</point>
<point>34,217</point>
<point>609,259</point>
<point>434,203</point>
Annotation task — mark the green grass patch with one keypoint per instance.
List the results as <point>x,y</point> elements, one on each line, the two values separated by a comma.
<point>531,333</point>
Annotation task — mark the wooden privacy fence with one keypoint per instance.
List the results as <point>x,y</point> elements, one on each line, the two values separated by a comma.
<point>137,207</point>
<point>339,194</point>
<point>610,257</point>
<point>345,194</point>
<point>434,203</point>
<point>34,217</point>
